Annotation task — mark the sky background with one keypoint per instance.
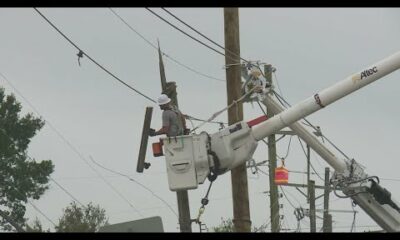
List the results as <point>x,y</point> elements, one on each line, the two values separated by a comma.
<point>311,48</point>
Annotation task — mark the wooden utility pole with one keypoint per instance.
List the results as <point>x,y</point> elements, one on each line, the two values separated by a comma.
<point>308,173</point>
<point>240,194</point>
<point>328,223</point>
<point>169,88</point>
<point>273,188</point>
<point>313,222</point>
<point>327,227</point>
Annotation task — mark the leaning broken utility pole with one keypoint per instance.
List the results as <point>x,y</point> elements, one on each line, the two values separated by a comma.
<point>169,88</point>
<point>240,194</point>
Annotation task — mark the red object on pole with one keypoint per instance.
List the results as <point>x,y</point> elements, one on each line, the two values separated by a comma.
<point>281,176</point>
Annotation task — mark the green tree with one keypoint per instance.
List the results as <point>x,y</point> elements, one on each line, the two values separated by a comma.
<point>21,178</point>
<point>82,219</point>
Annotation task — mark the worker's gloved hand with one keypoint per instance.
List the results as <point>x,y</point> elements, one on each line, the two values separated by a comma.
<point>152,132</point>
<point>186,131</point>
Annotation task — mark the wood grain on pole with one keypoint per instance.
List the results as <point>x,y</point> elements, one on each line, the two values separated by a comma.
<point>240,194</point>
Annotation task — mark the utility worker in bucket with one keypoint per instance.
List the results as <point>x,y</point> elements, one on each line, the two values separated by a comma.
<point>173,121</point>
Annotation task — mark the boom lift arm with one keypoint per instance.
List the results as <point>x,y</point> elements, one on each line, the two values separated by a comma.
<point>351,178</point>
<point>191,159</point>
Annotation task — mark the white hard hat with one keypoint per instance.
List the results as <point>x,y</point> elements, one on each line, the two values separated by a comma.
<point>163,99</point>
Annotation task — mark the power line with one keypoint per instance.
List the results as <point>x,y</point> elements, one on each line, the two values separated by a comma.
<point>163,53</point>
<point>288,149</point>
<point>103,68</point>
<point>187,25</point>
<point>44,215</point>
<point>304,151</point>
<point>169,57</point>
<point>284,194</point>
<point>216,114</point>
<point>72,148</point>
<point>91,59</point>
<point>135,181</point>
<point>62,188</point>
<point>65,190</point>
<point>190,36</point>
<point>116,191</point>
<point>310,124</point>
<point>290,139</point>
<point>277,83</point>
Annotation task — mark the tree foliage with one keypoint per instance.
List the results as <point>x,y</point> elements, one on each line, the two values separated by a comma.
<point>224,226</point>
<point>82,219</point>
<point>36,226</point>
<point>228,226</point>
<point>21,178</point>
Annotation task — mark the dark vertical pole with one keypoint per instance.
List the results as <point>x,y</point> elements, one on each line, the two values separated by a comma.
<point>313,223</point>
<point>308,173</point>
<point>326,202</point>
<point>273,188</point>
<point>169,88</point>
<point>240,194</point>
<point>329,223</point>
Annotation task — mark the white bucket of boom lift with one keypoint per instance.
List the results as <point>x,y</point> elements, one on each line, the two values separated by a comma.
<point>187,161</point>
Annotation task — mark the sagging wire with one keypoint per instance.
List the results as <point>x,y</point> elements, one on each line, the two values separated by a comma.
<point>304,151</point>
<point>216,114</point>
<point>280,99</point>
<point>82,53</point>
<point>163,53</point>
<point>280,138</point>
<point>231,54</point>
<point>138,183</point>
<point>290,140</point>
<point>202,120</point>
<point>287,151</point>
<point>277,83</point>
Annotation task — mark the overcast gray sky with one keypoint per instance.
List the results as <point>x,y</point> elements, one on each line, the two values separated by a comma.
<point>310,48</point>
